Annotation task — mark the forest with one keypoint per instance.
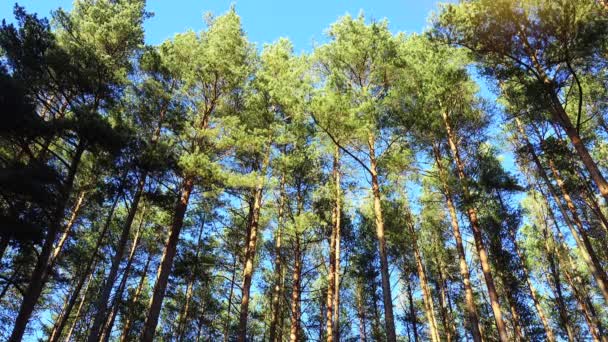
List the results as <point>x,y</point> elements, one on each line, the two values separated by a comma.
<point>447,185</point>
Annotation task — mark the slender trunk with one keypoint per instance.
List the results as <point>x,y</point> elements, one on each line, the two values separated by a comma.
<point>102,302</point>
<point>68,227</point>
<point>276,292</point>
<point>126,330</point>
<point>232,282</point>
<point>338,223</point>
<point>555,273</point>
<point>441,290</point>
<point>429,307</point>
<point>166,263</point>
<point>413,316</point>
<point>515,318</point>
<point>473,319</point>
<point>360,313</point>
<point>479,244</point>
<point>582,239</point>
<point>42,269</point>
<point>533,294</point>
<point>592,322</point>
<point>333,256</point>
<point>294,333</point>
<point>386,286</point>
<point>583,243</point>
<point>77,316</point>
<point>89,268</point>
<point>189,288</point>
<point>251,245</point>
<point>109,321</point>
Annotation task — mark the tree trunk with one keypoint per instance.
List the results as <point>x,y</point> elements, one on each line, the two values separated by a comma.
<point>76,318</point>
<point>560,117</point>
<point>250,252</point>
<point>555,274</point>
<point>583,243</point>
<point>166,263</point>
<point>386,286</point>
<point>564,121</point>
<point>360,312</point>
<point>42,269</point>
<point>332,282</point>
<point>189,289</point>
<point>294,333</point>
<point>413,316</point>
<point>441,290</point>
<point>68,228</point>
<point>89,268</point>
<point>126,330</point>
<point>479,244</point>
<point>462,261</point>
<point>338,223</point>
<point>582,239</point>
<point>277,289</point>
<point>533,294</point>
<point>102,302</point>
<point>232,282</point>
<point>429,307</point>
<point>109,321</point>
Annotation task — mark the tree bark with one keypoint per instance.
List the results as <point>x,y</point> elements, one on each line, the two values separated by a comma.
<point>386,286</point>
<point>230,295</point>
<point>582,239</point>
<point>412,314</point>
<point>360,312</point>
<point>189,288</point>
<point>126,330</point>
<point>332,280</point>
<point>76,320</point>
<point>479,244</point>
<point>42,269</point>
<point>533,294</point>
<point>109,321</point>
<point>166,263</point>
<point>462,261</point>
<point>294,332</point>
<point>429,307</point>
<point>441,290</point>
<point>102,301</point>
<point>278,272</point>
<point>251,245</point>
<point>338,224</point>
<point>89,268</point>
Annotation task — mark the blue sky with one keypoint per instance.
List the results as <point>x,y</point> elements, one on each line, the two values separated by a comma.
<point>303,22</point>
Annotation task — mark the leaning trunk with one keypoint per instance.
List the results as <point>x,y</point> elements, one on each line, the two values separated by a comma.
<point>164,269</point>
<point>42,269</point>
<point>464,268</point>
<point>477,236</point>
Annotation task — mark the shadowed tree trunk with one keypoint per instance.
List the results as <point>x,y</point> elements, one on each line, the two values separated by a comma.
<point>41,271</point>
<point>126,330</point>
